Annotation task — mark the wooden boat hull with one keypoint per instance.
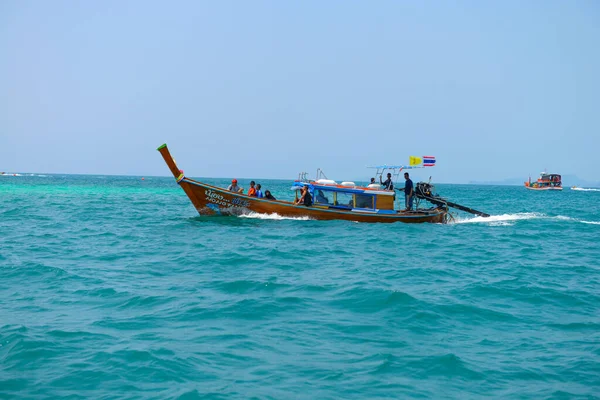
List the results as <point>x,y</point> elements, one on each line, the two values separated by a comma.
<point>544,188</point>
<point>212,200</point>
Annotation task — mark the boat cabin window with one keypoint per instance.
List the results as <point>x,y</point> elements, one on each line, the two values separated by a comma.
<point>341,199</point>
<point>321,196</point>
<point>364,201</point>
<point>344,200</point>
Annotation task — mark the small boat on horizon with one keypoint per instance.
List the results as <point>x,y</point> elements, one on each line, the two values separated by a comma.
<point>546,181</point>
<point>345,201</point>
<point>585,189</point>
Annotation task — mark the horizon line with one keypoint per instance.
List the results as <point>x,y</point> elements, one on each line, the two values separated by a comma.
<point>490,183</point>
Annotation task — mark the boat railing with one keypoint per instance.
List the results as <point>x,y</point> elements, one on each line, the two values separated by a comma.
<point>303,177</point>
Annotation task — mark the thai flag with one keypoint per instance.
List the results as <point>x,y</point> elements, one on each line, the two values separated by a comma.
<point>428,161</point>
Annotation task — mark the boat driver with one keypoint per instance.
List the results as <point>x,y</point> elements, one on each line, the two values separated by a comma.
<point>408,192</point>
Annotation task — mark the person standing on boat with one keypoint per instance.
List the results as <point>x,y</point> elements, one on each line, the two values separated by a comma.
<point>388,184</point>
<point>259,192</point>
<point>234,187</point>
<point>408,192</point>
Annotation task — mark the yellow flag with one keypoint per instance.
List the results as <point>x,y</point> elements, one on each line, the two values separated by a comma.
<point>415,161</point>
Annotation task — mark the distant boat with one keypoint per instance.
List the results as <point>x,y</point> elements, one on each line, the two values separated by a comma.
<point>585,189</point>
<point>546,181</point>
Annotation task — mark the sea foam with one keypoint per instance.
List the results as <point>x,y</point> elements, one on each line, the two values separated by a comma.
<point>273,216</point>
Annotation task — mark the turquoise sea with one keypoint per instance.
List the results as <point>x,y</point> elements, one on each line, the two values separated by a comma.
<point>114,288</point>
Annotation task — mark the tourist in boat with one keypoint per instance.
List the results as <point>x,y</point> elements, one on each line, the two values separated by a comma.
<point>252,190</point>
<point>364,201</point>
<point>306,198</point>
<point>321,198</point>
<point>388,184</point>
<point>373,184</point>
<point>259,192</point>
<point>408,192</point>
<point>269,196</point>
<point>234,187</point>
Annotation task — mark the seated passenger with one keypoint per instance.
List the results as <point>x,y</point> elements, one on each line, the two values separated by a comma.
<point>234,187</point>
<point>320,198</point>
<point>373,184</point>
<point>259,192</point>
<point>252,190</point>
<point>306,198</point>
<point>269,196</point>
<point>364,201</point>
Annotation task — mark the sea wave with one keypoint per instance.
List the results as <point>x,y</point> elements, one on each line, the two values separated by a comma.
<point>585,189</point>
<point>17,174</point>
<point>112,288</point>
<point>504,219</point>
<point>564,218</point>
<point>509,219</point>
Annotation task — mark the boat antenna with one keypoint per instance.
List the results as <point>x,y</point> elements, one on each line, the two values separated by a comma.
<point>320,174</point>
<point>302,176</point>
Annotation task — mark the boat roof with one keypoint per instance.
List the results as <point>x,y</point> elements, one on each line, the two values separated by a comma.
<point>334,187</point>
<point>350,187</point>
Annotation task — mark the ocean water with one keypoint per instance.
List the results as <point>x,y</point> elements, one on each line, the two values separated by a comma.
<point>113,287</point>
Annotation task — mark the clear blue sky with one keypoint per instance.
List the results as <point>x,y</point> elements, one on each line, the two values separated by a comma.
<point>265,89</point>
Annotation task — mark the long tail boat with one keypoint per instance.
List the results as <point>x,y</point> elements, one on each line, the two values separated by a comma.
<point>332,201</point>
<point>546,181</point>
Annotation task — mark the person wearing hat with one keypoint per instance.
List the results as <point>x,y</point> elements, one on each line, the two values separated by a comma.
<point>234,187</point>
